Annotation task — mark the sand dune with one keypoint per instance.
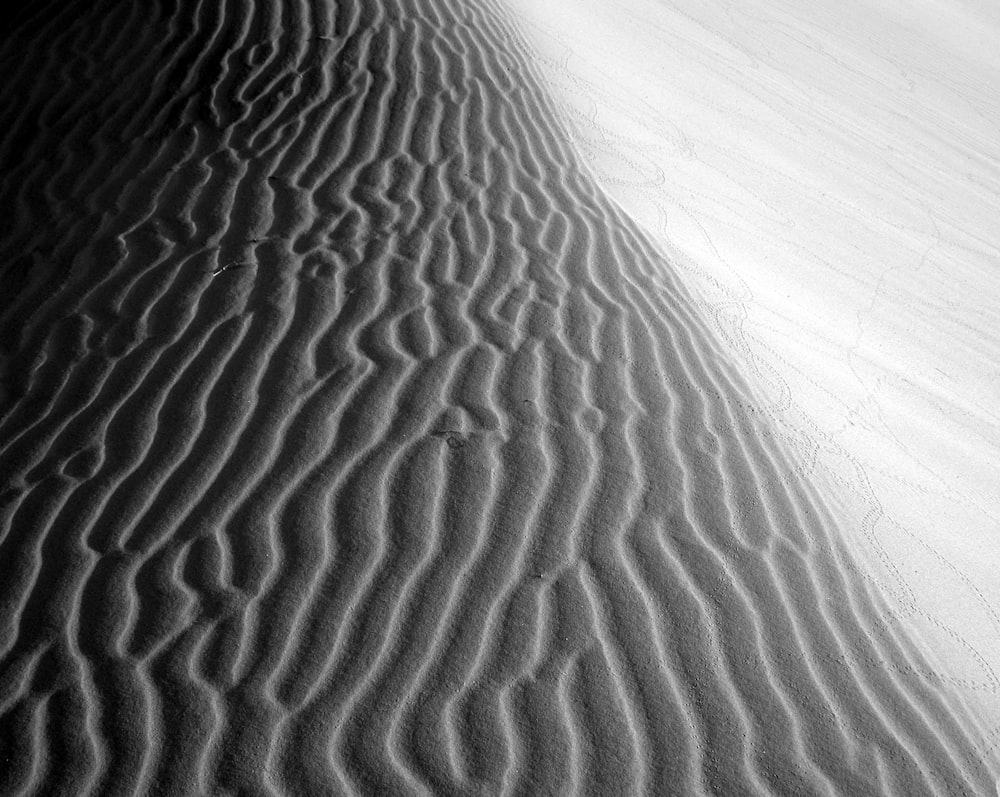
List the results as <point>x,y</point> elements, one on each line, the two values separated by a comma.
<point>825,178</point>
<point>354,441</point>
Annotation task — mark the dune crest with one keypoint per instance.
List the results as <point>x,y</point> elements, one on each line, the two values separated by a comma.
<point>353,441</point>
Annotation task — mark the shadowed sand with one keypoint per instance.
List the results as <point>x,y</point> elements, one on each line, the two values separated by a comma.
<point>354,442</point>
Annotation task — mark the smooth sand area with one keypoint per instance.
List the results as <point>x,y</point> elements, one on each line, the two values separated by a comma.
<point>366,429</point>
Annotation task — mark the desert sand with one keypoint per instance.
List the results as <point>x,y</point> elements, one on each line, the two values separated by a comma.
<point>828,178</point>
<point>368,424</point>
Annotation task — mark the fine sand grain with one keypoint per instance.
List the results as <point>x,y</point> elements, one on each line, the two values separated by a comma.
<point>352,440</point>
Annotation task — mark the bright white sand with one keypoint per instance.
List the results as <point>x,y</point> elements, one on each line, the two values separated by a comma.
<point>832,179</point>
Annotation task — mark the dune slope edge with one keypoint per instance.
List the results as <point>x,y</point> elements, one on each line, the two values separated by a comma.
<point>354,442</point>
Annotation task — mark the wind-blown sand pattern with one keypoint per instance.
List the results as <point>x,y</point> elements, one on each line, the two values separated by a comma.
<point>826,178</point>
<point>354,442</point>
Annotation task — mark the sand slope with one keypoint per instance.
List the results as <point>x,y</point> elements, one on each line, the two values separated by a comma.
<point>826,177</point>
<point>354,442</point>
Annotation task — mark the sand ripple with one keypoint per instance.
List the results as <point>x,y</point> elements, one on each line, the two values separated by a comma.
<point>354,442</point>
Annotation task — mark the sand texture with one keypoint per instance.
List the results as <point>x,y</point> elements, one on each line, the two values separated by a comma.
<point>826,176</point>
<point>354,441</point>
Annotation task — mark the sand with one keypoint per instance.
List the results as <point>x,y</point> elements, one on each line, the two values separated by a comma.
<point>357,438</point>
<point>827,178</point>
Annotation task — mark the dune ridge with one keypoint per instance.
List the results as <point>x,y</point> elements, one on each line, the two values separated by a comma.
<point>354,442</point>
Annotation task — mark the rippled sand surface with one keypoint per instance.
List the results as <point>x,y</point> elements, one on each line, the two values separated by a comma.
<point>354,439</point>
